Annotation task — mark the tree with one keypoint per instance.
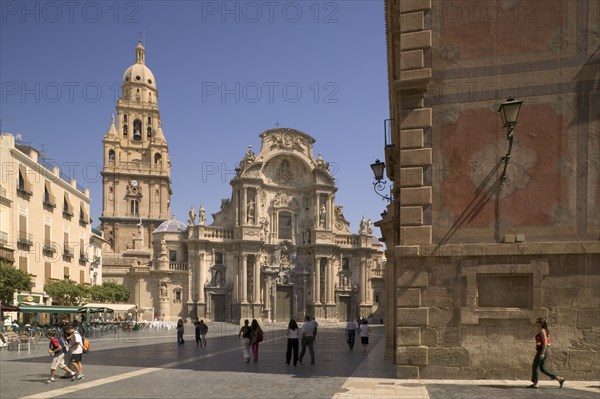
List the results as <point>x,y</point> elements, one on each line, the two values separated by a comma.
<point>110,292</point>
<point>66,293</point>
<point>12,280</point>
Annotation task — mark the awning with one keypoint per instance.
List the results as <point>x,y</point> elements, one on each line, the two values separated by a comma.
<point>50,309</point>
<point>110,307</point>
<point>8,308</point>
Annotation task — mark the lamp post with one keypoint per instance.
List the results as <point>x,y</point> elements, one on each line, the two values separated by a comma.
<point>509,112</point>
<point>379,184</point>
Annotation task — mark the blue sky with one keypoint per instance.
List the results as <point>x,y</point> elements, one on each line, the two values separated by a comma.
<point>225,72</point>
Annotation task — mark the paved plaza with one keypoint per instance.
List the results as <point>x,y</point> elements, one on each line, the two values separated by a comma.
<point>150,365</point>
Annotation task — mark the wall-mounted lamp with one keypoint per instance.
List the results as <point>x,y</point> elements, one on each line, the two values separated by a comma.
<point>379,184</point>
<point>509,112</point>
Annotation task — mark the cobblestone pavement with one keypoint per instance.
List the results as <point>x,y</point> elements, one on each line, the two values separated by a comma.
<point>150,365</point>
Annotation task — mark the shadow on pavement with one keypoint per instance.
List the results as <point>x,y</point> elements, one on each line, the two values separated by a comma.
<point>448,391</point>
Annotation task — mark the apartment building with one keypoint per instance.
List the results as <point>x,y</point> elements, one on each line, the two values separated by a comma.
<point>44,217</point>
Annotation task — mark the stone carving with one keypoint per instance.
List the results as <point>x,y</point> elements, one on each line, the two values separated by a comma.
<point>192,216</point>
<point>250,212</point>
<point>323,216</point>
<point>163,290</point>
<point>163,249</point>
<point>218,279</point>
<point>370,227</point>
<point>287,140</point>
<point>202,215</point>
<point>284,200</point>
<point>363,226</point>
<point>285,174</point>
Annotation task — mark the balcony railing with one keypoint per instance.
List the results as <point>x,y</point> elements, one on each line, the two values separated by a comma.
<point>24,190</point>
<point>67,213</point>
<point>25,239</point>
<point>83,259</point>
<point>178,266</point>
<point>83,221</point>
<point>49,205</point>
<point>68,253</point>
<point>49,247</point>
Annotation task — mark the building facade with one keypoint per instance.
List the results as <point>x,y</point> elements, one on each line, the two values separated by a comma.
<point>475,254</point>
<point>278,248</point>
<point>46,217</point>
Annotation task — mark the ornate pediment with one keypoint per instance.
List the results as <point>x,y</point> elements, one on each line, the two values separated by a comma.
<point>284,200</point>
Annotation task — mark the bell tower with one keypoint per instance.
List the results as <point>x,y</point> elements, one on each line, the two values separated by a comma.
<point>136,173</point>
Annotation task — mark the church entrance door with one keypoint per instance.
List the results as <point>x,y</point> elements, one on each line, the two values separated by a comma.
<point>345,308</point>
<point>218,305</point>
<point>284,303</point>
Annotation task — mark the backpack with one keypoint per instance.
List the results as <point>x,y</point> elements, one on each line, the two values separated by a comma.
<point>85,344</point>
<point>259,335</point>
<point>65,347</point>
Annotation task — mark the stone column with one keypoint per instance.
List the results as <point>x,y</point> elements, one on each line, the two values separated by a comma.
<point>362,280</point>
<point>244,208</point>
<point>202,276</point>
<point>318,281</point>
<point>330,279</point>
<point>256,280</point>
<point>244,278</point>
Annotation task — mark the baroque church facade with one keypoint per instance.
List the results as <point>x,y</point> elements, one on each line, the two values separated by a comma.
<point>279,247</point>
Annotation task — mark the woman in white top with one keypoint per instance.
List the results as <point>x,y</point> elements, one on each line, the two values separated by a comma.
<point>292,342</point>
<point>364,333</point>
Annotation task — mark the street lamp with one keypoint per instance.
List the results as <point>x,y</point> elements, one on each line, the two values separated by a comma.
<point>379,184</point>
<point>509,112</point>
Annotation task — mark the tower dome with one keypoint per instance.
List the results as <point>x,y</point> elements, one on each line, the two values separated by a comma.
<point>139,73</point>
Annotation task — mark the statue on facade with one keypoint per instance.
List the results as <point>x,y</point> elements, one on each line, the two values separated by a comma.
<point>192,216</point>
<point>163,248</point>
<point>218,279</point>
<point>202,217</point>
<point>250,212</point>
<point>163,290</point>
<point>370,227</point>
<point>363,226</point>
<point>322,215</point>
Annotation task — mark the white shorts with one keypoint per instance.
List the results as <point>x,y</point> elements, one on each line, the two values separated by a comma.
<point>58,361</point>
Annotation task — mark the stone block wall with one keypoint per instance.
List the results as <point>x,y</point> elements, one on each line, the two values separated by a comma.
<point>447,332</point>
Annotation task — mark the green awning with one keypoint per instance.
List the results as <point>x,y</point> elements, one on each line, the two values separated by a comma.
<point>50,309</point>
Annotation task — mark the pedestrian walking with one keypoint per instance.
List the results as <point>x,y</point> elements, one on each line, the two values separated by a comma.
<point>197,331</point>
<point>76,351</point>
<point>315,325</point>
<point>257,338</point>
<point>307,339</point>
<point>364,333</point>
<point>246,334</point>
<point>180,331</point>
<point>203,332</point>
<point>542,342</point>
<point>351,328</point>
<point>57,348</point>
<point>292,342</point>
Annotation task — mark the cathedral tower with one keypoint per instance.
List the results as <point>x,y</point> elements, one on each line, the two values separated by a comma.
<point>136,173</point>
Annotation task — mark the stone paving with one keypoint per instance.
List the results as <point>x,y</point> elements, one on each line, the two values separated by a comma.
<point>150,365</point>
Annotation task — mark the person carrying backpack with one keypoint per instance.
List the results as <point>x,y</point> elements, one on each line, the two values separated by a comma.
<point>76,351</point>
<point>57,349</point>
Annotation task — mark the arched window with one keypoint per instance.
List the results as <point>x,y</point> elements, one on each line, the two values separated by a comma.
<point>157,160</point>
<point>285,225</point>
<point>134,207</point>
<point>345,264</point>
<point>125,118</point>
<point>149,131</point>
<point>124,129</point>
<point>149,120</point>
<point>137,130</point>
<point>111,156</point>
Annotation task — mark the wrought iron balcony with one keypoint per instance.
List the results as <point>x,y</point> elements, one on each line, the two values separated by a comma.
<point>25,239</point>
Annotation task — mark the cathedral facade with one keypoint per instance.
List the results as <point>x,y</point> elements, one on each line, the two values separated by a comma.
<point>279,247</point>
